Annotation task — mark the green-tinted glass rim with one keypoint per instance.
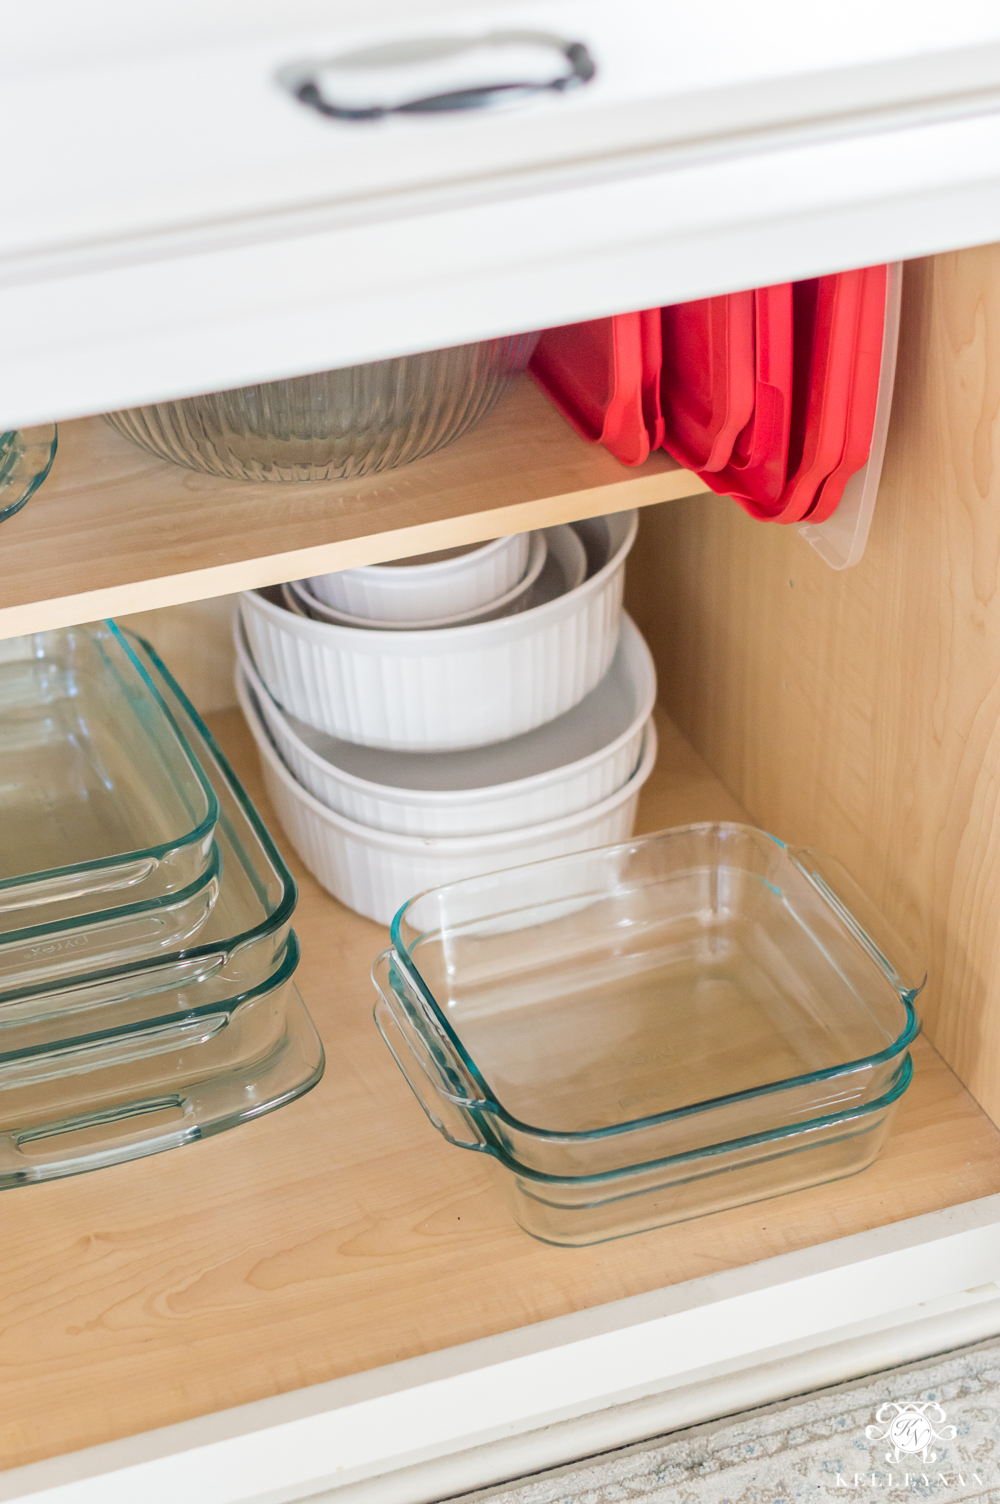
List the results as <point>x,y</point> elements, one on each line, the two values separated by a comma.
<point>281,974</point>
<point>40,932</point>
<point>194,837</point>
<point>282,911</point>
<point>489,1101</point>
<point>693,1156</point>
<point>34,480</point>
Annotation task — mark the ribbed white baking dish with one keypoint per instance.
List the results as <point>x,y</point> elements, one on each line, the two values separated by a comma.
<point>518,598</point>
<point>374,871</point>
<point>570,764</point>
<point>419,589</point>
<point>457,687</point>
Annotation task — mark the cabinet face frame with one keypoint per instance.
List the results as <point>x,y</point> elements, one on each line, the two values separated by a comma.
<point>698,1333</point>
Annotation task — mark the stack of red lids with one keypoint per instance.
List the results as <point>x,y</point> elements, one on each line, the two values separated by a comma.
<point>769,395</point>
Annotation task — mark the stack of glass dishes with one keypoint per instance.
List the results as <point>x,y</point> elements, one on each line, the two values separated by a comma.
<point>648,1032</point>
<point>146,955</point>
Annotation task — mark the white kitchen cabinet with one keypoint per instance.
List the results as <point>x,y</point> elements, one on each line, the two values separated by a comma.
<point>332,1303</point>
<point>179,222</point>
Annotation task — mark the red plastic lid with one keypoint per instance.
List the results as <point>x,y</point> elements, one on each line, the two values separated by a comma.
<point>826,313</point>
<point>863,395</point>
<point>756,473</point>
<point>651,330</point>
<point>601,375</point>
<point>709,378</point>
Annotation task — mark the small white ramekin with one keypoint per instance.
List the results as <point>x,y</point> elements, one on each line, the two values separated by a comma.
<point>437,690</point>
<point>423,589</point>
<point>374,872</point>
<point>512,600</point>
<point>575,761</point>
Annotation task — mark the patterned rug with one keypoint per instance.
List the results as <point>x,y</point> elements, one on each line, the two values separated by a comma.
<point>930,1430</point>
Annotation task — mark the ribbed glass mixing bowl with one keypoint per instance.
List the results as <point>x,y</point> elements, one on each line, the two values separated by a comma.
<point>335,424</point>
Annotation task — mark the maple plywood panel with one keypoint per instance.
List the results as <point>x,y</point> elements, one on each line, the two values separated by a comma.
<point>196,639</point>
<point>115,529</point>
<point>860,711</point>
<point>342,1232</point>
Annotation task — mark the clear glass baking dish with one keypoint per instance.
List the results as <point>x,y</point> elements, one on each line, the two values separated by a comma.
<point>575,1210</point>
<point>333,424</point>
<point>240,945</point>
<point>102,804</point>
<point>108,821</point>
<point>165,1082</point>
<point>620,1007</point>
<point>26,456</point>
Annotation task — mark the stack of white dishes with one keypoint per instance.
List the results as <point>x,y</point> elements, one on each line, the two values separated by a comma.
<point>437,718</point>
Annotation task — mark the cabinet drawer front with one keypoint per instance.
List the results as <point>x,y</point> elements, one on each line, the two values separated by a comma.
<point>130,122</point>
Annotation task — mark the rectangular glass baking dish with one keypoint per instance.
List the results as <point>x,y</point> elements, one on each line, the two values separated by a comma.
<point>241,943</point>
<point>163,1083</point>
<point>102,804</point>
<point>668,996</point>
<point>130,1063</point>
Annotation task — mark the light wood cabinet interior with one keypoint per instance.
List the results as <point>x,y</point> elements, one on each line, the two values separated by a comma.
<point>854,711</point>
<point>860,711</point>
<point>343,1232</point>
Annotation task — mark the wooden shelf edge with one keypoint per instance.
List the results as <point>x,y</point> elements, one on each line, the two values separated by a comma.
<point>347,553</point>
<point>116,529</point>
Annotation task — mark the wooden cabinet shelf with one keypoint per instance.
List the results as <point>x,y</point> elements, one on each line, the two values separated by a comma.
<point>115,529</point>
<point>343,1233</point>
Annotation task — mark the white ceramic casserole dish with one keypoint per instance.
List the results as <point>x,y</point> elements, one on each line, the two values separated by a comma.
<point>374,872</point>
<point>571,763</point>
<point>413,591</point>
<point>518,598</point>
<point>437,690</point>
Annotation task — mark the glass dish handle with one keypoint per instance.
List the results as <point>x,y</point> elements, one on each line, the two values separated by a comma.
<point>870,928</point>
<point>447,1111</point>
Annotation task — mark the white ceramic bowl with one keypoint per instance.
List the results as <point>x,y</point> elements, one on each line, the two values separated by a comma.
<point>573,762</point>
<point>374,872</point>
<point>414,591</point>
<point>433,691</point>
<point>515,599</point>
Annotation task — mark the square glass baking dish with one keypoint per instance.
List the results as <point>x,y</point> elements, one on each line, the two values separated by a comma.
<point>102,804</point>
<point>240,944</point>
<point>665,996</point>
<point>575,1210</point>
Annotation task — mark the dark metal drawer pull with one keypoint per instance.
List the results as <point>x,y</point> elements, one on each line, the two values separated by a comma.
<point>302,82</point>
